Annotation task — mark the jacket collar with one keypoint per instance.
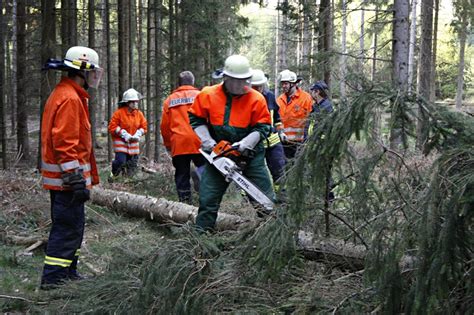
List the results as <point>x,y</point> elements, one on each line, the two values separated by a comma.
<point>185,87</point>
<point>79,89</point>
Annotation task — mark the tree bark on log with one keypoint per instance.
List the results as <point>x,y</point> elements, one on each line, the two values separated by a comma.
<point>336,252</point>
<point>158,209</point>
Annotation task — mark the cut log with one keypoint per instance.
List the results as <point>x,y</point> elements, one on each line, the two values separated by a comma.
<point>158,209</point>
<point>336,252</point>
<point>23,240</point>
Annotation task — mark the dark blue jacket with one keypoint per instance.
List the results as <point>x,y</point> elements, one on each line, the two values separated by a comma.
<point>272,105</point>
<point>319,109</point>
<point>324,106</point>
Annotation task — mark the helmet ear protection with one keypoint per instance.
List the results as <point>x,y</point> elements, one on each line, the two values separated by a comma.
<point>83,65</point>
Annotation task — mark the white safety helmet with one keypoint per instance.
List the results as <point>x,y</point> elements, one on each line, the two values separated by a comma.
<point>258,77</point>
<point>288,76</point>
<point>81,58</point>
<point>237,67</point>
<point>85,60</point>
<point>130,95</point>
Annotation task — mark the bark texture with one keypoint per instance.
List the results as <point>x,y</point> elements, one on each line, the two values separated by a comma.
<point>158,209</point>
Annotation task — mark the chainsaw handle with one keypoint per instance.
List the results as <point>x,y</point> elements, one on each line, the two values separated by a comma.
<point>223,153</point>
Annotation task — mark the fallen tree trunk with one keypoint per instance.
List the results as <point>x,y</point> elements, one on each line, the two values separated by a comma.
<point>335,252</point>
<point>158,209</point>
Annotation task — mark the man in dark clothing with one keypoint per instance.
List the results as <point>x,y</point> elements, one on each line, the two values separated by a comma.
<point>274,154</point>
<point>320,96</point>
<point>321,107</point>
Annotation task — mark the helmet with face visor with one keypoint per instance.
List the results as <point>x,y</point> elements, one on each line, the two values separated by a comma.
<point>237,74</point>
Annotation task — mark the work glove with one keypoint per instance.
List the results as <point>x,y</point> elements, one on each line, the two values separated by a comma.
<point>283,136</point>
<point>207,143</point>
<point>125,135</point>
<point>76,182</point>
<point>138,134</point>
<point>247,143</point>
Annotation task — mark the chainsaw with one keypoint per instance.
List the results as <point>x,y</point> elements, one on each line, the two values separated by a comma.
<point>229,162</point>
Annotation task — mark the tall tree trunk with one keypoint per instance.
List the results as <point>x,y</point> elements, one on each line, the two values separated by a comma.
<point>362,32</point>
<point>14,72</point>
<point>140,19</point>
<point>22,85</point>
<point>424,70</point>
<point>149,107</point>
<point>343,60</point>
<point>132,28</point>
<point>374,46</point>
<point>373,72</point>
<point>109,75</point>
<point>278,38</point>
<point>433,55</point>
<point>93,103</point>
<point>361,59</point>
<point>171,44</point>
<point>411,52</point>
<point>325,39</point>
<point>400,61</point>
<point>284,28</point>
<point>3,129</point>
<point>462,33</point>
<point>123,47</point>
<point>158,76</point>
<point>48,49</point>
<point>306,41</point>
<point>68,24</point>
<point>299,37</point>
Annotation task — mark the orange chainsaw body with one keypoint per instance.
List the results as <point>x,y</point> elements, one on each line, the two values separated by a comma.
<point>224,148</point>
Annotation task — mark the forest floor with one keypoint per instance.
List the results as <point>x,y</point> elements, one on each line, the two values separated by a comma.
<point>25,220</point>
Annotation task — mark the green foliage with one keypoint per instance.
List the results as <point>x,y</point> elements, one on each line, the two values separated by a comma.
<point>403,209</point>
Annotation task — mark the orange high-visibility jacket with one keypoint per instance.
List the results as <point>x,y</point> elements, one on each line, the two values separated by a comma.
<point>295,113</point>
<point>178,136</point>
<point>230,118</point>
<point>66,140</point>
<point>131,121</point>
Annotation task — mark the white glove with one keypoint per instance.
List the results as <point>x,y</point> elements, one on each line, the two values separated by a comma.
<point>139,133</point>
<point>125,135</point>
<point>283,136</point>
<point>207,143</point>
<point>248,143</point>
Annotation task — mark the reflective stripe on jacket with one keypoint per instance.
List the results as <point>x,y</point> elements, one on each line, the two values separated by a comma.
<point>131,121</point>
<point>274,109</point>
<point>178,136</point>
<point>229,117</point>
<point>66,141</point>
<point>294,113</point>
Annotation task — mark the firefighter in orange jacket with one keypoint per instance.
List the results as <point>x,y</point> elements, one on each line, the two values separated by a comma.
<point>127,126</point>
<point>295,107</point>
<point>179,138</point>
<point>234,112</point>
<point>68,165</point>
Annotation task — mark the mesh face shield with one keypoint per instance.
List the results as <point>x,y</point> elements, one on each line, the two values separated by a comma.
<point>237,86</point>
<point>93,77</point>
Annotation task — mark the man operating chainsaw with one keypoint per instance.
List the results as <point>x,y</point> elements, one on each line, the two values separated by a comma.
<point>230,118</point>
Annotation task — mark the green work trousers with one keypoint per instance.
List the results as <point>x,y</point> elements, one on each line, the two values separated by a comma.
<point>213,187</point>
